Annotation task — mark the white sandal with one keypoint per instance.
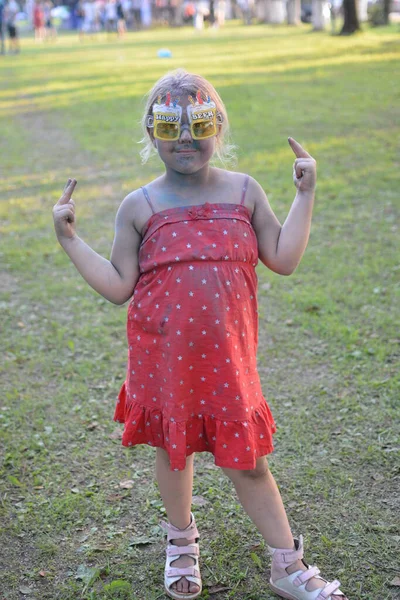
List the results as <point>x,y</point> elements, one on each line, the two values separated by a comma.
<point>293,587</point>
<point>174,574</point>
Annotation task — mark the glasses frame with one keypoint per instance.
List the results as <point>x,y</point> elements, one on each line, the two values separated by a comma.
<point>217,119</point>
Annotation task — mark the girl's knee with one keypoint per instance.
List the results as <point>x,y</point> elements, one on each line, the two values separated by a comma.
<point>261,470</point>
<point>164,459</point>
<point>162,455</point>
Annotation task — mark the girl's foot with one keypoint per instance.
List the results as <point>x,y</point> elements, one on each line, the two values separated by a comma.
<point>182,575</point>
<point>313,583</point>
<point>183,585</point>
<point>293,579</point>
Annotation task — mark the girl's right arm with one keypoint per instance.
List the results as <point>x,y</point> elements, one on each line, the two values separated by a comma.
<point>116,278</point>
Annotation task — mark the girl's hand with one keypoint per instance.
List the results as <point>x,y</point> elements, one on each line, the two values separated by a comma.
<point>304,168</point>
<point>64,212</point>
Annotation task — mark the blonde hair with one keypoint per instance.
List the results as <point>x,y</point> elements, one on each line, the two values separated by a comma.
<point>181,82</point>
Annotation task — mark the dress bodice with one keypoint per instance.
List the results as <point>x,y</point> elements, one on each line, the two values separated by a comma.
<point>207,232</point>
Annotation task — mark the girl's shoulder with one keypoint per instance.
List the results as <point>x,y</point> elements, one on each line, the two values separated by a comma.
<point>137,206</point>
<point>234,179</point>
<point>138,196</point>
<point>237,184</point>
<point>231,177</point>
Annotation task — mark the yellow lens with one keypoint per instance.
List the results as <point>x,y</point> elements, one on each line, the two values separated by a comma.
<point>167,131</point>
<point>203,129</point>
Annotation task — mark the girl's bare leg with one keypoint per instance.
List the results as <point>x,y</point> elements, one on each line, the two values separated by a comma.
<point>260,498</point>
<point>176,492</point>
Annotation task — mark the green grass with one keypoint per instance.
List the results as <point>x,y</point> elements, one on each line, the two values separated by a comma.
<point>328,354</point>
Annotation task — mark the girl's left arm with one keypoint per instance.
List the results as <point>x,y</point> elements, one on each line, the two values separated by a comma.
<point>281,247</point>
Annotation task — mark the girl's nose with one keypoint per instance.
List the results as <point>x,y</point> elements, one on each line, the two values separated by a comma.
<point>185,136</point>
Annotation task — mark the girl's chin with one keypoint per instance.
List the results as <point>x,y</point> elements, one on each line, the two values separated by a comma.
<point>186,166</point>
<point>187,169</point>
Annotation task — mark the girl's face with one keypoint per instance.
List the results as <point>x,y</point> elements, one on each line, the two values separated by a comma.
<point>185,155</point>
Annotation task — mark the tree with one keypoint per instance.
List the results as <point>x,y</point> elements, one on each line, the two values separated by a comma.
<point>351,23</point>
<point>318,20</point>
<point>293,12</point>
<point>386,11</point>
<point>276,12</point>
<point>212,12</point>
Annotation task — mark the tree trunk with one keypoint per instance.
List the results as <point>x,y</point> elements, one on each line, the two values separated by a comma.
<point>262,11</point>
<point>362,10</point>
<point>351,23</point>
<point>317,15</point>
<point>293,12</point>
<point>386,11</point>
<point>212,12</point>
<point>235,9</point>
<point>276,12</point>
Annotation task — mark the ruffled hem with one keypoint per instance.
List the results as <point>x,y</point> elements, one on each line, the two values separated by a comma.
<point>234,444</point>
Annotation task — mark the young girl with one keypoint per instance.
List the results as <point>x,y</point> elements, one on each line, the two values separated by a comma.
<point>185,249</point>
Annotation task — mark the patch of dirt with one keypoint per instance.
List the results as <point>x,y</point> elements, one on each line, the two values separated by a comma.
<point>9,283</point>
<point>51,144</point>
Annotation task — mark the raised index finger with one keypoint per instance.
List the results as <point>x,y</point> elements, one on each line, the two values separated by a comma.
<point>68,191</point>
<point>298,149</point>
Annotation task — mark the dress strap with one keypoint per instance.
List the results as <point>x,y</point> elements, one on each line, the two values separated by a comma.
<point>146,195</point>
<point>246,183</point>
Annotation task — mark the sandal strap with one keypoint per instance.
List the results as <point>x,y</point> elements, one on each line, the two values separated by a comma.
<point>182,572</point>
<point>172,550</point>
<point>306,576</point>
<point>287,556</point>
<point>329,590</point>
<point>173,533</point>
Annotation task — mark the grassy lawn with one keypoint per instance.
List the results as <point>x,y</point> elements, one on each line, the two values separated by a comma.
<point>328,353</point>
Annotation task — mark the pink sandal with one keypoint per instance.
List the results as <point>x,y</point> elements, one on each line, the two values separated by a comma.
<point>293,587</point>
<point>173,574</point>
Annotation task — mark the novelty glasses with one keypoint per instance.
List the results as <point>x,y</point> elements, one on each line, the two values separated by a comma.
<point>166,119</point>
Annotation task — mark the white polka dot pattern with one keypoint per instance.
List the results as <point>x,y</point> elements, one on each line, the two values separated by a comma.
<point>192,383</point>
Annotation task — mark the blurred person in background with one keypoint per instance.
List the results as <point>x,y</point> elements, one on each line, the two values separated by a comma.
<point>29,6</point>
<point>137,14</point>
<point>100,14</point>
<point>128,12</point>
<point>89,26</point>
<point>220,11</point>
<point>38,21</point>
<point>50,30</point>
<point>159,7</point>
<point>174,12</point>
<point>189,11</point>
<point>198,19</point>
<point>10,18</point>
<point>79,18</point>
<point>74,18</point>
<point>110,16</point>
<point>121,24</point>
<point>247,8</point>
<point>145,13</point>
<point>2,46</point>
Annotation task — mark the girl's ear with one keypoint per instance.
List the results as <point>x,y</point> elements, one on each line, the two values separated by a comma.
<point>220,121</point>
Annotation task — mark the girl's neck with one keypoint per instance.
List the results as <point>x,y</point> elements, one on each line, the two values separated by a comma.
<point>201,178</point>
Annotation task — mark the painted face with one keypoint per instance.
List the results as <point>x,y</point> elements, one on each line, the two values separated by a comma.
<point>193,131</point>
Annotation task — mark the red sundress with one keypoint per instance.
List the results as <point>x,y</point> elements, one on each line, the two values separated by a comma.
<point>192,383</point>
